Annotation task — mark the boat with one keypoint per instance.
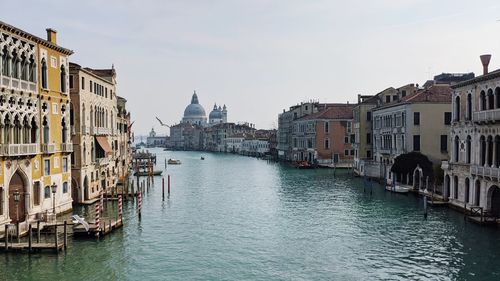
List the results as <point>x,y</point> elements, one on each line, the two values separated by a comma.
<point>304,165</point>
<point>174,161</point>
<point>398,188</point>
<point>202,158</point>
<point>145,173</point>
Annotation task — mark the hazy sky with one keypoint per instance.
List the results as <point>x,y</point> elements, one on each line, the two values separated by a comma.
<point>259,57</point>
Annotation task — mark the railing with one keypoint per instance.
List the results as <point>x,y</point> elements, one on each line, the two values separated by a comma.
<point>19,149</point>
<point>102,161</point>
<point>48,148</point>
<point>487,115</point>
<point>102,131</point>
<point>17,84</point>
<point>67,147</point>
<point>491,172</point>
<point>85,130</point>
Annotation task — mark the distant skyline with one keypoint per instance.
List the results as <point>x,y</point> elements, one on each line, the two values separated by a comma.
<point>260,57</point>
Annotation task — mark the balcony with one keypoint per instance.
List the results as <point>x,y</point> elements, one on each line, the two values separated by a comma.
<point>18,84</point>
<point>48,148</point>
<point>67,147</point>
<point>486,116</point>
<point>19,149</point>
<point>490,172</point>
<point>102,161</point>
<point>102,131</point>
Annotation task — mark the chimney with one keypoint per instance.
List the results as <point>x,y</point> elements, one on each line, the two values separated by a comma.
<point>51,35</point>
<point>485,60</point>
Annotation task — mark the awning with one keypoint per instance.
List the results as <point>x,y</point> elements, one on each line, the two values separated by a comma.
<point>103,142</point>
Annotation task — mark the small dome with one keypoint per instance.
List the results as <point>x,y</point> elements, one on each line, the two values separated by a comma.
<point>215,114</point>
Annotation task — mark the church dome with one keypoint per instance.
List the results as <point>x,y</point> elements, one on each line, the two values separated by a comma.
<point>215,113</point>
<point>194,110</point>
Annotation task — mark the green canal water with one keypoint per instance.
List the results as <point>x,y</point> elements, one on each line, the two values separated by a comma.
<point>238,218</point>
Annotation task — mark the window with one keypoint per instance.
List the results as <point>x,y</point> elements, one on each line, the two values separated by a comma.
<point>90,86</point>
<point>327,127</point>
<point>346,139</point>
<point>394,97</point>
<point>53,62</point>
<point>65,187</point>
<point>416,118</point>
<point>353,138</point>
<point>403,93</point>
<point>457,108</point>
<point>36,193</point>
<point>447,118</point>
<point>369,116</point>
<point>387,99</point>
<point>46,167</point>
<point>444,143</point>
<point>71,81</point>
<point>368,154</point>
<point>368,138</point>
<point>46,192</point>
<point>416,143</point>
<point>346,152</point>
<point>352,152</point>
<point>456,149</point>
<point>83,83</point>
<point>327,144</point>
<point>44,74</point>
<point>1,201</point>
<point>65,164</point>
<point>469,107</point>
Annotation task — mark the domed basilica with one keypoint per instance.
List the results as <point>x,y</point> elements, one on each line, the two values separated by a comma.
<point>195,113</point>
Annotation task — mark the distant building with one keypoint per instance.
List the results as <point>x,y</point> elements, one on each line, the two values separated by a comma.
<point>218,115</point>
<point>155,141</point>
<point>324,137</point>
<point>195,113</point>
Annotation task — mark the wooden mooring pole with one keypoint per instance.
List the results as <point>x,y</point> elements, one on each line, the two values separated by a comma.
<point>29,238</point>
<point>163,188</point>
<point>38,231</point>
<point>65,235</point>
<point>6,237</point>
<point>55,237</point>
<point>18,233</point>
<point>168,187</point>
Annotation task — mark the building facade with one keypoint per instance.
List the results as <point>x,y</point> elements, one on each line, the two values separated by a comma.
<point>35,144</point>
<point>95,136</point>
<point>472,172</point>
<point>154,140</point>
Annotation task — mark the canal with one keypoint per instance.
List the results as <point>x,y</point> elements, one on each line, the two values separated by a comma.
<point>237,218</point>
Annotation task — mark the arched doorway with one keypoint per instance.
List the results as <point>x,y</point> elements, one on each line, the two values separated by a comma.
<point>417,178</point>
<point>86,188</point>
<point>477,193</point>
<point>17,210</point>
<point>494,200</point>
<point>446,186</point>
<point>74,191</point>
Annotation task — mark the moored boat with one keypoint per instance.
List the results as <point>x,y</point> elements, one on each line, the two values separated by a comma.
<point>145,173</point>
<point>398,188</point>
<point>174,161</point>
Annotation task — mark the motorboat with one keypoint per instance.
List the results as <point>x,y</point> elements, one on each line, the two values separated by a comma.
<point>398,188</point>
<point>202,158</point>
<point>145,173</point>
<point>174,161</point>
<point>304,165</point>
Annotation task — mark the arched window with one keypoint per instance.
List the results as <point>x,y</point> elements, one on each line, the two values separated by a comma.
<point>490,151</point>
<point>34,129</point>
<point>497,97</point>
<point>15,65</point>
<point>32,70</point>
<point>482,142</point>
<point>469,107</point>
<point>63,79</point>
<point>482,97</point>
<point>5,62</point>
<point>44,74</point>
<point>457,108</point>
<point>46,131</point>
<point>467,190</point>
<point>497,151</point>
<point>456,149</point>
<point>455,187</point>
<point>46,192</point>
<point>24,67</point>
<point>17,130</point>
<point>477,193</point>
<point>26,130</point>
<point>64,131</point>
<point>491,100</point>
<point>468,150</point>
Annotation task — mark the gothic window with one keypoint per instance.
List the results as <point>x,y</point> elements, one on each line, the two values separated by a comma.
<point>5,62</point>
<point>46,132</point>
<point>469,107</point>
<point>15,65</point>
<point>63,79</point>
<point>44,74</point>
<point>483,100</point>
<point>457,108</point>
<point>32,70</point>
<point>468,150</point>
